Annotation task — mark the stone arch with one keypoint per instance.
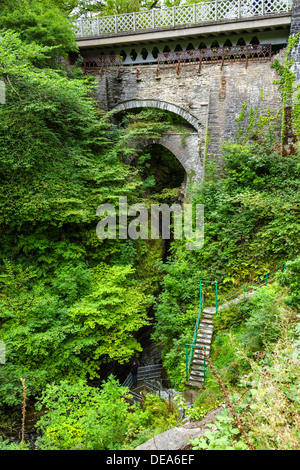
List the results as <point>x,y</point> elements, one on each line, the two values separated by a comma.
<point>187,154</point>
<point>170,144</point>
<point>134,104</point>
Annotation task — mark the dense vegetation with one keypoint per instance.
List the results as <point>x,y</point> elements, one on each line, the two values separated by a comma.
<point>71,304</point>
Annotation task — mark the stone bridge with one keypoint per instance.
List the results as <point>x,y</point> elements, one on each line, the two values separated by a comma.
<point>210,98</point>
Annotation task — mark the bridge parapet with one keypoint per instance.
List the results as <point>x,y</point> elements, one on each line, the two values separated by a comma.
<point>156,19</point>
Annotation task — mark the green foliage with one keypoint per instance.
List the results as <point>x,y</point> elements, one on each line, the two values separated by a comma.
<point>287,87</point>
<point>54,334</point>
<point>269,405</point>
<point>5,445</point>
<point>79,417</point>
<point>41,21</point>
<point>291,279</point>
<point>154,416</point>
<point>264,323</point>
<point>194,412</point>
<point>60,158</point>
<point>222,436</point>
<point>110,314</point>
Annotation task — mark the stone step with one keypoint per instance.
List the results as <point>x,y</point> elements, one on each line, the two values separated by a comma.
<point>199,357</point>
<point>205,335</point>
<point>206,326</point>
<point>199,351</point>
<point>207,321</point>
<point>195,383</point>
<point>211,310</point>
<point>203,341</point>
<point>208,315</point>
<point>196,373</point>
<point>198,362</point>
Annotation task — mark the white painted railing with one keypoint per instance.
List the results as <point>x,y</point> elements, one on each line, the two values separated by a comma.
<point>175,16</point>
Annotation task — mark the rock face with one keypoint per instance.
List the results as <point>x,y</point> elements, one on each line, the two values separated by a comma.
<point>177,438</point>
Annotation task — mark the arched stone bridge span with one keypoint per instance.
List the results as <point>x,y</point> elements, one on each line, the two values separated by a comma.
<point>185,150</point>
<point>158,104</point>
<point>210,101</point>
<point>211,97</point>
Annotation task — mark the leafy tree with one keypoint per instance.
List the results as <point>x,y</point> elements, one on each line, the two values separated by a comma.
<point>43,22</point>
<point>80,417</point>
<point>112,7</point>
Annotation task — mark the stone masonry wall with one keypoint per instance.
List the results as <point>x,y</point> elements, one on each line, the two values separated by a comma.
<point>213,98</point>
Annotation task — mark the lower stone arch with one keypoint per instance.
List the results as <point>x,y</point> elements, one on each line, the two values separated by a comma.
<point>164,143</point>
<point>187,154</point>
<point>173,108</point>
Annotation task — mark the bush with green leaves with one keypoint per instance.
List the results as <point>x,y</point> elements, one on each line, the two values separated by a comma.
<point>77,416</point>
<point>223,435</point>
<point>264,325</point>
<point>251,226</point>
<point>268,397</point>
<point>42,21</point>
<point>291,279</point>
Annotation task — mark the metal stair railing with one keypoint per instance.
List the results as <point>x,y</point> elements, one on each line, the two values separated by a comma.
<point>259,281</point>
<point>247,288</point>
<point>144,372</point>
<point>192,346</point>
<point>189,355</point>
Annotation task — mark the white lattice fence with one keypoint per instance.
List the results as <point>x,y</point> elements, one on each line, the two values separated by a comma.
<point>126,22</point>
<point>205,12</point>
<point>107,24</point>
<point>187,14</point>
<point>145,19</point>
<point>227,9</point>
<point>165,17</point>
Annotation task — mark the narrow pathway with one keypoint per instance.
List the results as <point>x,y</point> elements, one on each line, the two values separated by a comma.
<point>177,438</point>
<point>204,339</point>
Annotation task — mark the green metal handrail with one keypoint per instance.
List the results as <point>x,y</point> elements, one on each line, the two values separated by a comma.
<point>189,355</point>
<point>257,282</point>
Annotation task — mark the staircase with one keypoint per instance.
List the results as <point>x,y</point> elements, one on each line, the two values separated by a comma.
<point>204,338</point>
<point>204,325</point>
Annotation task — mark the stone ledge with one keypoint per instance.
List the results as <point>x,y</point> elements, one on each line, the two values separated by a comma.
<point>176,438</point>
